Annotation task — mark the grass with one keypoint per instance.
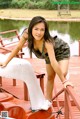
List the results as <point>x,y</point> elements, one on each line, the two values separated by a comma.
<point>24,14</point>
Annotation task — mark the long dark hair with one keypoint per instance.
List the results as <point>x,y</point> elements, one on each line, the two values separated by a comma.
<point>34,21</point>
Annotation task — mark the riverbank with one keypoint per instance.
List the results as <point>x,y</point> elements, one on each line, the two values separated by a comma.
<point>50,15</point>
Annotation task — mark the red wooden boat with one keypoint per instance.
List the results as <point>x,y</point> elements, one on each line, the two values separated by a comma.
<point>65,102</point>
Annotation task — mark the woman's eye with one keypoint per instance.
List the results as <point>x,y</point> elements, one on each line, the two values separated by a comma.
<point>42,30</point>
<point>35,29</point>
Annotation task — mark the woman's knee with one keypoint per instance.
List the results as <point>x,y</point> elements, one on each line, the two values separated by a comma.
<point>50,72</point>
<point>51,77</point>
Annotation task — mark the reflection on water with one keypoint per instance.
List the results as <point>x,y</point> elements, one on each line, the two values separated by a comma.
<point>74,47</point>
<point>68,31</point>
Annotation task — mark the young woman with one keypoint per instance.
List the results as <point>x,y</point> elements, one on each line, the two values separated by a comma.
<point>55,51</point>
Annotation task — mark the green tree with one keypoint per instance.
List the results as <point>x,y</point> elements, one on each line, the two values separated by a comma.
<point>5,4</point>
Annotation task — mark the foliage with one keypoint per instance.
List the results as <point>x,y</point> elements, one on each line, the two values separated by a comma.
<point>5,4</point>
<point>50,5</point>
<point>19,3</point>
<point>35,4</point>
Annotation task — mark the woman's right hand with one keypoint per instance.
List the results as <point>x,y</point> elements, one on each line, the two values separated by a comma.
<point>25,34</point>
<point>3,64</point>
<point>67,83</point>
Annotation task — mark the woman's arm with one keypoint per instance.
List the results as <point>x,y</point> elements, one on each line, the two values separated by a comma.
<point>54,63</point>
<point>17,49</point>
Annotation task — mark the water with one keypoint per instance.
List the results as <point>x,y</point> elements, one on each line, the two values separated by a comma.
<point>68,31</point>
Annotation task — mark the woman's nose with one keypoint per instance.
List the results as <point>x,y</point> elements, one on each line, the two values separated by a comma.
<point>39,32</point>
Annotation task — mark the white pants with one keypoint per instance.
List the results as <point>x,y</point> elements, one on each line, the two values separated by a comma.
<point>21,69</point>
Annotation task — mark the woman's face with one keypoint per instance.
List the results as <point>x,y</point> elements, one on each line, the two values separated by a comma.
<point>38,31</point>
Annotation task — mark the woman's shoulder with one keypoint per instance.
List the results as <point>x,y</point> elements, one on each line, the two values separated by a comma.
<point>48,44</point>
